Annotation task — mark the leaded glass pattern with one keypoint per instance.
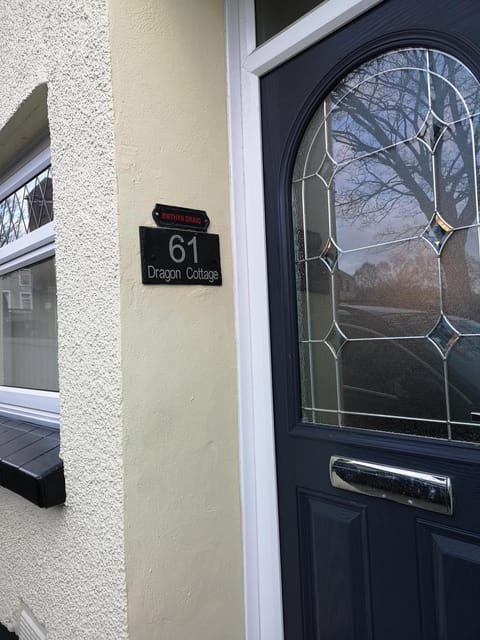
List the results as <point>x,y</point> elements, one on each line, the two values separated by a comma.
<point>387,249</point>
<point>27,208</point>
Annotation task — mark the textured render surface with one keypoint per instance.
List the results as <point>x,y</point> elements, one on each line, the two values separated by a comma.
<point>67,564</point>
<point>183,537</point>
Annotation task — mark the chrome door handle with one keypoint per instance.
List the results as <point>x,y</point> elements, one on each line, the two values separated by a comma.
<point>412,488</point>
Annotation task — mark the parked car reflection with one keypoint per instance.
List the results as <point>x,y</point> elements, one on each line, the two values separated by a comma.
<point>412,376</point>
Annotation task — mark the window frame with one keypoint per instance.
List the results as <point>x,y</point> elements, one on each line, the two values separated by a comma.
<point>21,277</point>
<point>26,301</point>
<point>41,407</point>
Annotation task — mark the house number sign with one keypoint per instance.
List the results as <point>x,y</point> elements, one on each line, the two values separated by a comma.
<point>175,256</point>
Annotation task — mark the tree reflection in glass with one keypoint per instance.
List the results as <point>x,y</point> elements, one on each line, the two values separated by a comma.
<point>387,174</point>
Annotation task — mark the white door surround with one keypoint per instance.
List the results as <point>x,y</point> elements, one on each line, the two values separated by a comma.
<point>245,65</point>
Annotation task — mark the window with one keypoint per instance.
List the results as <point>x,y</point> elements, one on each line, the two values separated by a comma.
<point>25,277</point>
<point>385,198</point>
<point>26,300</point>
<point>28,314</point>
<point>274,15</point>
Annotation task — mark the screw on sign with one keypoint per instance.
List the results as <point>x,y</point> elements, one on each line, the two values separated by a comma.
<point>173,256</point>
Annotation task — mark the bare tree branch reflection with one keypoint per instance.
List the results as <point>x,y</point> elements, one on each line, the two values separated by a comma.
<point>408,146</point>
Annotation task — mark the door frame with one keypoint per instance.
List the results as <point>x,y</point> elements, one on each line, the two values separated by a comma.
<point>245,65</point>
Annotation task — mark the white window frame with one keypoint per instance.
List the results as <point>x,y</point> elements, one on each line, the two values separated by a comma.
<point>245,65</point>
<point>26,296</point>
<point>24,281</point>
<point>38,406</point>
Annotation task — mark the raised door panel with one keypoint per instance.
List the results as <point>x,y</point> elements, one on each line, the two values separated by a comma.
<point>449,569</point>
<point>335,566</point>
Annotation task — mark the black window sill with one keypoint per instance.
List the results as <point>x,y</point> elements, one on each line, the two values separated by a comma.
<point>5,634</point>
<point>29,462</point>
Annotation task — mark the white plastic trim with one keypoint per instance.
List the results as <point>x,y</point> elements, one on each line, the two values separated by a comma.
<point>262,580</point>
<point>37,162</point>
<point>29,628</point>
<point>314,26</point>
<point>42,407</point>
<point>44,418</point>
<point>33,247</point>
<point>261,548</point>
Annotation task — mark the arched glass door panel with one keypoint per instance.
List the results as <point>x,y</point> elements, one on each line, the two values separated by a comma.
<point>387,248</point>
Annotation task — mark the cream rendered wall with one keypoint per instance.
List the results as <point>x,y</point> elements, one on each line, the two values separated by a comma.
<point>67,563</point>
<point>182,514</point>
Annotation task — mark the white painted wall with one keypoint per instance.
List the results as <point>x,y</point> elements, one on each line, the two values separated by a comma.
<point>182,513</point>
<point>147,374</point>
<point>67,563</point>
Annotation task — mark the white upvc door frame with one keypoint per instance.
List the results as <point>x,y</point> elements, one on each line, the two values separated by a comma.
<point>245,65</point>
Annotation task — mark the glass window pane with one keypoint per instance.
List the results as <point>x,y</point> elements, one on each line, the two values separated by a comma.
<point>387,249</point>
<point>393,377</point>
<point>313,300</point>
<point>398,59</point>
<point>455,173</point>
<point>27,209</point>
<point>274,15</point>
<point>388,290</point>
<point>381,111</point>
<point>384,197</point>
<point>324,388</point>
<point>461,280</point>
<point>463,366</point>
<point>306,379</point>
<point>315,199</point>
<point>389,424</point>
<point>455,90</point>
<point>319,294</point>
<point>29,328</point>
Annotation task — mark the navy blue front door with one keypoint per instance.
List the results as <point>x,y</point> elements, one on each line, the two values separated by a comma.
<point>371,160</point>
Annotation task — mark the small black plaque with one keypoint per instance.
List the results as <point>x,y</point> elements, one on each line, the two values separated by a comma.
<point>180,257</point>
<point>165,215</point>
